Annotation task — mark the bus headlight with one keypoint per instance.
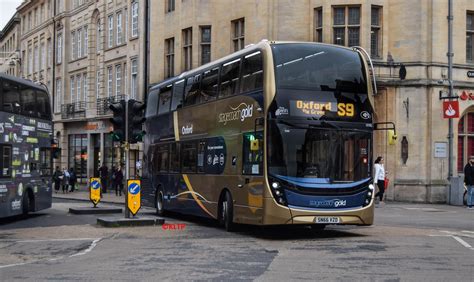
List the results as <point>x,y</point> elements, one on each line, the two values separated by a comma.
<point>371,187</point>
<point>278,192</point>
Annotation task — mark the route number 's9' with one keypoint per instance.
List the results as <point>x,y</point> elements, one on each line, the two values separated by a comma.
<point>345,110</point>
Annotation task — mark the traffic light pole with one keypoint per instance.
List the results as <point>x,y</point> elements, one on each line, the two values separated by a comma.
<point>127,161</point>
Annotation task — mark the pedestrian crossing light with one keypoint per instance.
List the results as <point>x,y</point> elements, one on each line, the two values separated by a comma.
<point>118,121</point>
<point>136,118</point>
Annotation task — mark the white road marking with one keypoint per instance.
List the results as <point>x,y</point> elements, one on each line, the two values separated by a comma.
<point>55,240</point>
<point>462,242</point>
<point>89,249</point>
<point>15,264</point>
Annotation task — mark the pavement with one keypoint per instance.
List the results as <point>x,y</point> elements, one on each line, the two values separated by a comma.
<point>82,194</point>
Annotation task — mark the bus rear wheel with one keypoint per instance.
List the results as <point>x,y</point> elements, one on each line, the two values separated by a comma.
<point>227,212</point>
<point>159,204</point>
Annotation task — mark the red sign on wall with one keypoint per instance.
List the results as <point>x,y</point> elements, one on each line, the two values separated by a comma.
<point>450,109</point>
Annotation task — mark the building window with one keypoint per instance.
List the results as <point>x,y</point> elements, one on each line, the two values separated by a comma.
<point>43,56</point>
<point>85,49</point>
<point>85,88</point>
<point>50,51</point>
<point>238,34</point>
<point>169,6</point>
<point>78,155</point>
<point>79,88</point>
<point>97,87</point>
<point>59,96</point>
<point>465,139</point>
<point>73,45</point>
<point>73,89</point>
<point>470,36</point>
<point>119,29</point>
<point>59,50</point>
<point>134,79</point>
<point>30,61</point>
<point>134,18</point>
<point>118,80</point>
<point>111,31</point>
<point>79,43</point>
<point>109,82</point>
<point>318,24</point>
<point>98,36</point>
<point>346,21</point>
<point>169,57</point>
<point>205,44</point>
<point>187,48</point>
<point>375,30</point>
<point>37,60</point>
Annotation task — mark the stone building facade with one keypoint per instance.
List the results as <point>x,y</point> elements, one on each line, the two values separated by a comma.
<point>95,51</point>
<point>10,61</point>
<point>398,34</point>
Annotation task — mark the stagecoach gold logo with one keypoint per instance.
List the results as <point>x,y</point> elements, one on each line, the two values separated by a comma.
<point>241,112</point>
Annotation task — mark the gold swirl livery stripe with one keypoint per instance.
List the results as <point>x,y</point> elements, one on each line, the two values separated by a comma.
<point>188,184</point>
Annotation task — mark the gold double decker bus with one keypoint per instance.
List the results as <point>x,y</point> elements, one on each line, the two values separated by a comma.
<point>277,133</point>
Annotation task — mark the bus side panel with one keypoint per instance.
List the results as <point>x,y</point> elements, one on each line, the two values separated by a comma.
<point>43,197</point>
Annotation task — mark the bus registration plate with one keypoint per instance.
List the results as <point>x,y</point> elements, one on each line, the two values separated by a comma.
<point>327,219</point>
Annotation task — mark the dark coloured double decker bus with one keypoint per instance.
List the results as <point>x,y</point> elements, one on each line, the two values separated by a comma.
<point>277,133</point>
<point>25,147</point>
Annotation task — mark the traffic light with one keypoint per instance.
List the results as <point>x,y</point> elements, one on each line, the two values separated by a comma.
<point>55,150</point>
<point>135,121</point>
<point>118,121</point>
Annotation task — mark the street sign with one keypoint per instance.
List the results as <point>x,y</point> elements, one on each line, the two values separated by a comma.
<point>95,190</point>
<point>133,200</point>
<point>470,74</point>
<point>451,109</point>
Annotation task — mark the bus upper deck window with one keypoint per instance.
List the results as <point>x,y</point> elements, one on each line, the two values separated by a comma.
<point>11,98</point>
<point>210,80</point>
<point>152,103</point>
<point>252,72</point>
<point>229,82</point>
<point>165,99</point>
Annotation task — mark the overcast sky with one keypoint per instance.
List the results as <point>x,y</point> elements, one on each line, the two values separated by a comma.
<point>7,10</point>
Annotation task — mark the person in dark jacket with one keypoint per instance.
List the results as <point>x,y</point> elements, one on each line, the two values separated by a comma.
<point>57,177</point>
<point>104,175</point>
<point>72,179</point>
<point>118,181</point>
<point>469,181</point>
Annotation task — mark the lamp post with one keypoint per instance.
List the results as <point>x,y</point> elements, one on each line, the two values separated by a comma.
<point>451,87</point>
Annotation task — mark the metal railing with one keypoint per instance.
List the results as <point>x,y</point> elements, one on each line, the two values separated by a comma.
<point>73,110</point>
<point>104,103</point>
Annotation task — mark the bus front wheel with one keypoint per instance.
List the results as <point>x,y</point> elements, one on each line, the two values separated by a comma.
<point>227,212</point>
<point>159,204</point>
<point>26,204</point>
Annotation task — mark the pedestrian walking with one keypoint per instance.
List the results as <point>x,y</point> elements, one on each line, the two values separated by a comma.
<point>72,179</point>
<point>379,178</point>
<point>118,181</point>
<point>57,177</point>
<point>469,181</point>
<point>104,174</point>
<point>65,180</point>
